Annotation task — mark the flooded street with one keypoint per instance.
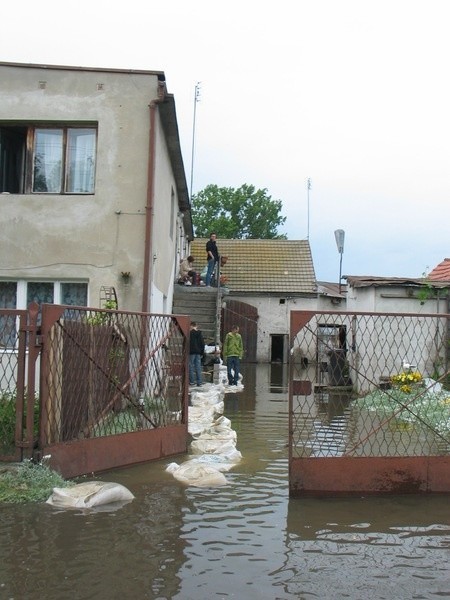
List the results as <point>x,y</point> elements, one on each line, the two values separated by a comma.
<point>246,540</point>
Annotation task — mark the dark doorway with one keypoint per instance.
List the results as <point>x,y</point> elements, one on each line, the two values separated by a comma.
<point>277,348</point>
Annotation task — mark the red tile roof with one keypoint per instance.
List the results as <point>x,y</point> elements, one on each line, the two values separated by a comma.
<point>441,272</point>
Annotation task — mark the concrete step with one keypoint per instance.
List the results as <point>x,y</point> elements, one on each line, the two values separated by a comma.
<point>200,304</point>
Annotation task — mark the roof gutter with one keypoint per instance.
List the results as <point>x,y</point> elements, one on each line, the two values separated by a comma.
<point>149,208</point>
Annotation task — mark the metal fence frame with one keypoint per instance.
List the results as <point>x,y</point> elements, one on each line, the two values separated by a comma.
<point>331,454</point>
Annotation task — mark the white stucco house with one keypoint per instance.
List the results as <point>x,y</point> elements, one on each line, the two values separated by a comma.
<point>92,187</point>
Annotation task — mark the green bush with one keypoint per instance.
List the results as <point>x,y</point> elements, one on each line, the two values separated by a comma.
<point>29,482</point>
<point>8,420</point>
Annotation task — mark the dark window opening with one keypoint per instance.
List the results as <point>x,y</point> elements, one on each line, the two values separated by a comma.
<point>13,143</point>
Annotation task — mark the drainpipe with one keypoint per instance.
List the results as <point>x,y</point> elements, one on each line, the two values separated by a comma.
<point>149,209</point>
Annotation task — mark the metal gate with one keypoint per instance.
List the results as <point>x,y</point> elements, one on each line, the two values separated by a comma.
<point>369,403</point>
<point>114,388</point>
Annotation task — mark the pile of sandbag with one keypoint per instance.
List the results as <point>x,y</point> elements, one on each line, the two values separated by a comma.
<point>213,448</point>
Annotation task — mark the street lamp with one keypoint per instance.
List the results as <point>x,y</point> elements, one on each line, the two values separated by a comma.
<point>339,235</point>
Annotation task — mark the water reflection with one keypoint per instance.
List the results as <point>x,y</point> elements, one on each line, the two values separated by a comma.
<point>246,540</point>
<point>278,378</point>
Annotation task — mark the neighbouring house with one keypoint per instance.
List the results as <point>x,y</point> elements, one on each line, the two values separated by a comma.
<point>331,296</point>
<point>441,272</point>
<point>406,307</point>
<point>396,294</point>
<point>92,187</point>
<point>266,279</point>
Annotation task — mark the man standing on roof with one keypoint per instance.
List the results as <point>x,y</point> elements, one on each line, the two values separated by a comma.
<point>233,351</point>
<point>212,256</point>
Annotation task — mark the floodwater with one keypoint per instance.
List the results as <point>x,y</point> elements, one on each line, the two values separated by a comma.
<point>246,540</point>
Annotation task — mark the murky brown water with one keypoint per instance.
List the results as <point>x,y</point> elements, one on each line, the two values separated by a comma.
<point>246,540</point>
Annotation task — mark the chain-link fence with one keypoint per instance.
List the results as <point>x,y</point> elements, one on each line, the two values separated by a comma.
<point>13,408</point>
<point>369,385</point>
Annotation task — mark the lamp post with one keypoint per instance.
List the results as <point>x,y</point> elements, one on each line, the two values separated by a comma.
<point>339,235</point>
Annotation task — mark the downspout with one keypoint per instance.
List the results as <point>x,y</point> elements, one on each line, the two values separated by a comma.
<point>149,209</point>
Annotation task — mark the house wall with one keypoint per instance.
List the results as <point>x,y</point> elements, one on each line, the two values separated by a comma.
<point>165,228</point>
<point>92,238</point>
<point>428,347</point>
<point>274,319</point>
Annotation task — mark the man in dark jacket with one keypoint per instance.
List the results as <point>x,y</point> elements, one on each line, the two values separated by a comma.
<point>212,256</point>
<point>196,351</point>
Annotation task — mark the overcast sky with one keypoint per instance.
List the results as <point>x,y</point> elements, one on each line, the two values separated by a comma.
<point>353,94</point>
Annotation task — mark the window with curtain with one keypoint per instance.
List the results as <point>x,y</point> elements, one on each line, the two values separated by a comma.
<point>74,294</point>
<point>19,294</point>
<point>80,160</point>
<point>8,324</point>
<point>47,160</point>
<point>48,155</point>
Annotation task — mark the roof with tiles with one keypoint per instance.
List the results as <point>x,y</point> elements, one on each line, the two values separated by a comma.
<point>441,272</point>
<point>269,266</point>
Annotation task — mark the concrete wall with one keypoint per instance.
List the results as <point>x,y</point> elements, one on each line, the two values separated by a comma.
<point>274,319</point>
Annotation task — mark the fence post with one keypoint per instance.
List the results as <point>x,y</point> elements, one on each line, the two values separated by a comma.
<point>33,354</point>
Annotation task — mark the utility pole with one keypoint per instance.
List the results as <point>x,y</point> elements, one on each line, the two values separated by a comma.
<point>308,187</point>
<point>196,99</point>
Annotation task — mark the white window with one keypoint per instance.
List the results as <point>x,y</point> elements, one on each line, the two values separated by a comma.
<point>49,160</point>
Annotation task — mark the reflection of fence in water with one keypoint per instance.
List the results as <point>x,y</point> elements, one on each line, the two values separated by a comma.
<point>323,422</point>
<point>329,425</point>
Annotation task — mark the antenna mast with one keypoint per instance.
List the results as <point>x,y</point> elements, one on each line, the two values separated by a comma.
<point>308,187</point>
<point>196,99</point>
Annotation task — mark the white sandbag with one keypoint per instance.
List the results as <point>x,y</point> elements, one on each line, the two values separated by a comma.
<point>217,433</point>
<point>212,446</point>
<point>172,467</point>
<point>207,397</point>
<point>201,412</point>
<point>218,406</point>
<point>89,495</point>
<point>196,429</point>
<point>218,461</point>
<point>200,418</point>
<point>221,425</point>
<point>222,422</point>
<point>231,454</point>
<point>196,474</point>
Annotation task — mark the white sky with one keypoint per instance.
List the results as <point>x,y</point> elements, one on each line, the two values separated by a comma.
<point>354,94</point>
